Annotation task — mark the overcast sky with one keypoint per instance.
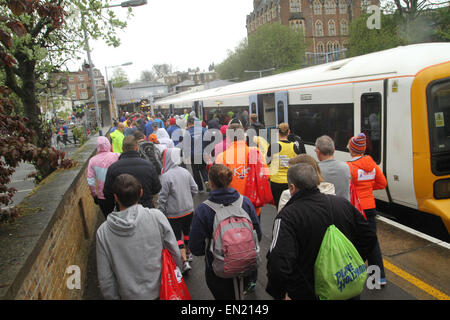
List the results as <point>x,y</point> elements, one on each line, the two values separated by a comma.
<point>184,33</point>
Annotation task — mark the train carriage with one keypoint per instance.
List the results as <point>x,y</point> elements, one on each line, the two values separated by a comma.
<point>400,98</point>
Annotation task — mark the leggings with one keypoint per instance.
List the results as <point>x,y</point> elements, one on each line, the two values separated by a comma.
<point>181,227</point>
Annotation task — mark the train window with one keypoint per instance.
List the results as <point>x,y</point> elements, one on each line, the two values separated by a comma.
<point>254,108</point>
<point>439,116</point>
<point>371,123</point>
<point>312,121</point>
<point>280,108</point>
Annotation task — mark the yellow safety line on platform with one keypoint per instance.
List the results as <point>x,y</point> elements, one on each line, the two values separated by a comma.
<point>418,283</point>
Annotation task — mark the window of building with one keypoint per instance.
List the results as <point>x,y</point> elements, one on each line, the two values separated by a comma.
<point>296,24</point>
<point>317,7</point>
<point>320,48</point>
<point>83,95</point>
<point>313,121</point>
<point>319,28</point>
<point>342,6</point>
<point>336,46</point>
<point>296,6</point>
<point>330,7</point>
<point>331,28</point>
<point>329,46</point>
<point>80,78</point>
<point>344,27</point>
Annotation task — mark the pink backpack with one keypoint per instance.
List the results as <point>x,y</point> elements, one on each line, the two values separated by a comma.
<point>234,245</point>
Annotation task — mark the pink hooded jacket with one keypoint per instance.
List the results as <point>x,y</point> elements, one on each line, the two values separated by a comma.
<point>99,164</point>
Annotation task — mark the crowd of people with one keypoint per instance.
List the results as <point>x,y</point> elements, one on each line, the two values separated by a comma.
<point>140,180</point>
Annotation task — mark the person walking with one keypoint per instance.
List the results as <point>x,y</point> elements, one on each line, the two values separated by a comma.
<point>130,162</point>
<point>175,200</point>
<point>255,124</point>
<point>173,128</point>
<point>129,246</point>
<point>366,177</point>
<point>324,187</point>
<point>298,232</point>
<point>334,171</point>
<point>202,227</point>
<point>97,168</point>
<point>280,161</point>
<point>195,134</point>
<point>117,138</point>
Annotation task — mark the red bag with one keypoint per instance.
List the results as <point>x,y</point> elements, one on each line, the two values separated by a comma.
<point>173,286</point>
<point>354,199</point>
<point>257,187</point>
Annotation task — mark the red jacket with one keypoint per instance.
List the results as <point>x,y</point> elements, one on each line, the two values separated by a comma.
<point>366,177</point>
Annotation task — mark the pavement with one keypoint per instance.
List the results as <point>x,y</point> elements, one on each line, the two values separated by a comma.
<point>402,251</point>
<point>23,184</point>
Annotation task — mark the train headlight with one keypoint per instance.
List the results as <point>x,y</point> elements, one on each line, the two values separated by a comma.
<point>442,189</point>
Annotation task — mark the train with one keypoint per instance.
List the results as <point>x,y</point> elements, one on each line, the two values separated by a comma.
<point>400,98</point>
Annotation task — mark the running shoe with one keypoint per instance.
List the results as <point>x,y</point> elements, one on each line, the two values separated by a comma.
<point>186,267</point>
<point>250,288</point>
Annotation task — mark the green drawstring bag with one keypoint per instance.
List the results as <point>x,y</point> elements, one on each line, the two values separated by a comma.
<point>339,271</point>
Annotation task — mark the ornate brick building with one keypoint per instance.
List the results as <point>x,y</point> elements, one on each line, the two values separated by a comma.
<point>325,23</point>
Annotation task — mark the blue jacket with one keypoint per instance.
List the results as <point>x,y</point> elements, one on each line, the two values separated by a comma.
<point>203,221</point>
<point>171,130</point>
<point>160,123</point>
<point>148,128</point>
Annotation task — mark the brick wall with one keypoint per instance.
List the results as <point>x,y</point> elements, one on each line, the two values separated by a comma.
<point>67,244</point>
<point>57,234</point>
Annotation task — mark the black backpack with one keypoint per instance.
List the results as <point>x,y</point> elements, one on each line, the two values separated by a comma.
<point>148,151</point>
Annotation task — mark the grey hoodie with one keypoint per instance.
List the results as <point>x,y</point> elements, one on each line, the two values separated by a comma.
<point>177,186</point>
<point>129,247</point>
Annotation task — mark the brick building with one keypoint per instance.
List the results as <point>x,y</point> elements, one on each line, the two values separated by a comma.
<point>325,23</point>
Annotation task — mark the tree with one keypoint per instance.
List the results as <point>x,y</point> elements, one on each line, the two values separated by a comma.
<point>119,78</point>
<point>38,37</point>
<point>147,76</point>
<point>363,40</point>
<point>415,22</point>
<point>271,46</point>
<point>16,146</point>
<point>161,70</point>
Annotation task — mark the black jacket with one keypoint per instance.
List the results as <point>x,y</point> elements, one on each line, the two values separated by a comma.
<point>130,162</point>
<point>297,235</point>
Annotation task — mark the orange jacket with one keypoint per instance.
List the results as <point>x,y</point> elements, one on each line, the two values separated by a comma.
<point>366,177</point>
<point>236,157</point>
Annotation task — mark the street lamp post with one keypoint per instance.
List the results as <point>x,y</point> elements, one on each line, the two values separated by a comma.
<point>125,4</point>
<point>260,71</point>
<point>91,76</point>
<point>112,107</point>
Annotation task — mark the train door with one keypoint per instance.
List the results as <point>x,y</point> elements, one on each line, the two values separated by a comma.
<point>171,109</point>
<point>370,120</point>
<point>281,107</point>
<point>253,105</point>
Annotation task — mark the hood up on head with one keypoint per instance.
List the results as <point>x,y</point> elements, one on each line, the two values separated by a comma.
<point>171,159</point>
<point>103,144</point>
<point>123,223</point>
